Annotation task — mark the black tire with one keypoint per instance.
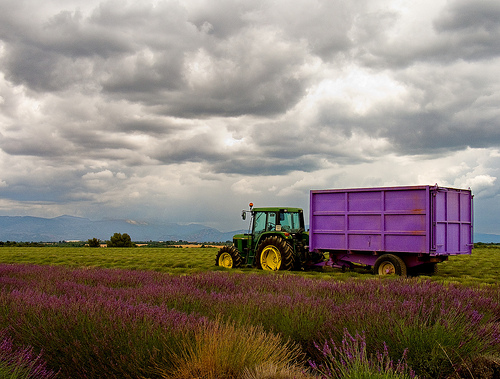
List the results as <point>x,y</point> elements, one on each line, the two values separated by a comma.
<point>274,253</point>
<point>427,269</point>
<point>228,257</point>
<point>389,264</point>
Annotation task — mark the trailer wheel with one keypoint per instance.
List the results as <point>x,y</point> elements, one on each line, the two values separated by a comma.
<point>389,264</point>
<point>274,253</point>
<point>228,257</point>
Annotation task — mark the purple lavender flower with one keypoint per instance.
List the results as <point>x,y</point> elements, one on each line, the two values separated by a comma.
<point>23,360</point>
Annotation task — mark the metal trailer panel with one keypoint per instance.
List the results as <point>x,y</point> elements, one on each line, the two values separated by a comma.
<point>453,219</point>
<point>416,219</point>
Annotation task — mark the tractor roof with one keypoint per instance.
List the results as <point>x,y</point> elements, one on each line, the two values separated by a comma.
<point>277,209</point>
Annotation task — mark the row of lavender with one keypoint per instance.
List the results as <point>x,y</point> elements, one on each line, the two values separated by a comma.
<point>116,323</point>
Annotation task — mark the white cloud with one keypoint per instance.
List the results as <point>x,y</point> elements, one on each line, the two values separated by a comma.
<point>480,183</point>
<point>244,186</point>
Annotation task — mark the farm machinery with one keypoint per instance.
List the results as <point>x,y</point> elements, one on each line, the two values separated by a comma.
<point>393,230</point>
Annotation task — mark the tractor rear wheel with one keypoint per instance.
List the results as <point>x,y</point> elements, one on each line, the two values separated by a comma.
<point>274,253</point>
<point>228,257</point>
<point>389,264</point>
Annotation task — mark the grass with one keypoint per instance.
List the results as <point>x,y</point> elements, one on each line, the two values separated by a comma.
<point>173,260</point>
<point>480,268</point>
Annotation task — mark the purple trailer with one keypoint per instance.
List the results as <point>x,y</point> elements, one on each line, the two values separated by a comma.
<point>392,229</point>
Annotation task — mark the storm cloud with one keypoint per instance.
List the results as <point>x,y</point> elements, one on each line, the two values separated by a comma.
<point>185,111</point>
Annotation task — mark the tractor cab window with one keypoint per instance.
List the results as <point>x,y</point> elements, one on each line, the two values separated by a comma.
<point>259,222</point>
<point>290,222</point>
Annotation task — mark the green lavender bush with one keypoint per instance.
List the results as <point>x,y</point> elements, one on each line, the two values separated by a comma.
<point>350,360</point>
<point>20,362</point>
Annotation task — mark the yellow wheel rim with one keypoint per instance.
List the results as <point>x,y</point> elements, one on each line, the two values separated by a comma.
<point>386,268</point>
<point>225,260</point>
<point>270,259</point>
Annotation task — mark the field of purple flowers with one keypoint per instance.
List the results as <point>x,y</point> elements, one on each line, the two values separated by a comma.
<point>95,323</point>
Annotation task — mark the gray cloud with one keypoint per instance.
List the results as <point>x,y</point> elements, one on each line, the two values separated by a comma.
<point>128,108</point>
<point>471,29</point>
<point>463,15</point>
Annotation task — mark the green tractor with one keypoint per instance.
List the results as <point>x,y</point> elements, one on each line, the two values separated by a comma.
<point>277,240</point>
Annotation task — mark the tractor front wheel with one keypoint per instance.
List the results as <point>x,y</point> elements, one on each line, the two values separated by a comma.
<point>274,253</point>
<point>228,257</point>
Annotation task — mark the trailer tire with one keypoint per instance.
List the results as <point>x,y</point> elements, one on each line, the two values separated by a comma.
<point>428,269</point>
<point>228,257</point>
<point>274,253</point>
<point>390,264</point>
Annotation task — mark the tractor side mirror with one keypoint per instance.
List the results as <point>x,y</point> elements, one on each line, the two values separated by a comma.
<point>244,215</point>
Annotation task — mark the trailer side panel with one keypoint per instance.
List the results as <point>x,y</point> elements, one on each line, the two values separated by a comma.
<point>417,219</point>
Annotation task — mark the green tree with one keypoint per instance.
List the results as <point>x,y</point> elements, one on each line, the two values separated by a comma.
<point>120,240</point>
<point>94,242</point>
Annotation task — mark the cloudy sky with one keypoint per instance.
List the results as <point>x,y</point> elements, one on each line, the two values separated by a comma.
<point>187,110</point>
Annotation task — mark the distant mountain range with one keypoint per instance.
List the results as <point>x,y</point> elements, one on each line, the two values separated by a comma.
<point>486,238</point>
<point>68,228</point>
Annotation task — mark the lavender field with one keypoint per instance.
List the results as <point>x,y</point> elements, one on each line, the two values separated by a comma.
<point>81,322</point>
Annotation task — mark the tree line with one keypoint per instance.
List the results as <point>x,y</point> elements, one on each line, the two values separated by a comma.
<point>116,240</point>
